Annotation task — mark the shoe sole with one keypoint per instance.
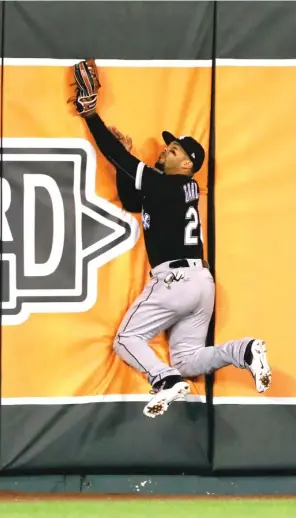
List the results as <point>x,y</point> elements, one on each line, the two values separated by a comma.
<point>263,377</point>
<point>160,403</point>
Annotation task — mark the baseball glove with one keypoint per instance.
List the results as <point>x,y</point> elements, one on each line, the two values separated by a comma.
<point>87,86</point>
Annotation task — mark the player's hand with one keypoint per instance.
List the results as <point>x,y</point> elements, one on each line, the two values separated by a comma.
<point>125,140</point>
<point>161,157</point>
<point>87,84</point>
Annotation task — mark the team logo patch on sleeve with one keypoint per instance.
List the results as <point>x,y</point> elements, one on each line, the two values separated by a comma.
<point>146,220</point>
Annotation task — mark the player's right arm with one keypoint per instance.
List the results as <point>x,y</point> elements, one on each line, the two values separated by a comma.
<point>110,146</point>
<point>147,180</point>
<point>129,197</point>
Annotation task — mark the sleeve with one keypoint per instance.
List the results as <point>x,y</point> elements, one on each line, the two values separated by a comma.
<point>129,197</point>
<point>111,148</point>
<point>147,179</point>
<point>154,182</point>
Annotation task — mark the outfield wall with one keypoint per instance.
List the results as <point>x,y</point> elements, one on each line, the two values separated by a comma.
<point>73,260</point>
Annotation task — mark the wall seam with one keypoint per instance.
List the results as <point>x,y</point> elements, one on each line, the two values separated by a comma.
<point>1,173</point>
<point>210,379</point>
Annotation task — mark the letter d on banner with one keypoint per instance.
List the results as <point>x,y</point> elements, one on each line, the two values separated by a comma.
<point>31,268</point>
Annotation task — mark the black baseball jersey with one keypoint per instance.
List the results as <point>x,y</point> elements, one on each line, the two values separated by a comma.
<point>170,214</point>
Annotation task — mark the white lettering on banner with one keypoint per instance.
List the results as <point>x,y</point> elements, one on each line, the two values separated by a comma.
<point>6,234</point>
<point>31,268</point>
<point>54,242</point>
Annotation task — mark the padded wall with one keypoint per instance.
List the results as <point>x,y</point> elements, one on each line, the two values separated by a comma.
<point>73,259</point>
<point>255,214</point>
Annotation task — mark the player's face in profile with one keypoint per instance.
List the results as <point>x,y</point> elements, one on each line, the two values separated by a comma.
<point>175,159</point>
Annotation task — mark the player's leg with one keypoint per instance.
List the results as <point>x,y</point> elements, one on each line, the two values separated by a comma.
<point>157,309</point>
<point>145,319</point>
<point>190,356</point>
<point>180,292</point>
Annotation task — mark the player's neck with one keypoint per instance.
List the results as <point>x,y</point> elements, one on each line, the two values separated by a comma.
<point>177,172</point>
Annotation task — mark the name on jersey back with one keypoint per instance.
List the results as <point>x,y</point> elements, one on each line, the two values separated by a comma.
<point>191,191</point>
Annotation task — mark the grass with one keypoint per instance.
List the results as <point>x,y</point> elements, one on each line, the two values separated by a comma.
<point>238,508</point>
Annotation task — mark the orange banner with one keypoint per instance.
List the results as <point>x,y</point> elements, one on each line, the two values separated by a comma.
<point>255,220</point>
<point>70,354</point>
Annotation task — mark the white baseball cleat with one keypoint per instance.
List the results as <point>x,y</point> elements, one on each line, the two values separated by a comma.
<point>165,396</point>
<point>259,366</point>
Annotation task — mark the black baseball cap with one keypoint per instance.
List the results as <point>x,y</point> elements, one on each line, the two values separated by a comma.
<point>194,149</point>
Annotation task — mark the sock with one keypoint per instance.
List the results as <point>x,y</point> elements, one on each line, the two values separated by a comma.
<point>248,357</point>
<point>167,382</point>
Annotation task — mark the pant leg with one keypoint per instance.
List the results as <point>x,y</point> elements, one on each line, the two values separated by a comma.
<point>146,318</point>
<point>187,339</point>
<point>204,360</point>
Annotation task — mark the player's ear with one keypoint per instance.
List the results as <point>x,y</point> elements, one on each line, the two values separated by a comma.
<point>187,164</point>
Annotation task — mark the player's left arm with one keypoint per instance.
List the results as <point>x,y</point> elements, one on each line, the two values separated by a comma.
<point>85,101</point>
<point>129,197</point>
<point>87,86</point>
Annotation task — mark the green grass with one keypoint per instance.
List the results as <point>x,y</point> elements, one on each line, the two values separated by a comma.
<point>239,508</point>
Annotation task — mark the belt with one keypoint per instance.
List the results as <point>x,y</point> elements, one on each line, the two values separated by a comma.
<point>179,263</point>
<point>189,263</point>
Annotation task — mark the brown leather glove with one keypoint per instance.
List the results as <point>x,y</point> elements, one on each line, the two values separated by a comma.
<point>87,86</point>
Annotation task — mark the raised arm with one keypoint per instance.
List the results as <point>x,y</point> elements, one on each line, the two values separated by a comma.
<point>87,85</point>
<point>85,101</point>
<point>130,198</point>
<point>111,148</point>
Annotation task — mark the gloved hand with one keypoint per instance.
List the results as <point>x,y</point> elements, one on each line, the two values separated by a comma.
<point>87,86</point>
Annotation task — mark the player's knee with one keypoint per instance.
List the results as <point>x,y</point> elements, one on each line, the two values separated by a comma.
<point>118,346</point>
<point>179,365</point>
<point>182,369</point>
<point>186,371</point>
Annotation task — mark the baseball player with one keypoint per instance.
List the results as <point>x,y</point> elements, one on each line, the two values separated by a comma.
<point>179,297</point>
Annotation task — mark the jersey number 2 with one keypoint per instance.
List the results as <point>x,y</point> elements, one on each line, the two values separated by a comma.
<point>192,215</point>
